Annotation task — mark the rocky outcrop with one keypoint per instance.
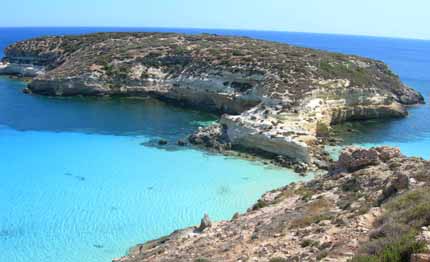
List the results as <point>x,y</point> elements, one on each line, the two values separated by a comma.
<point>333,217</point>
<point>353,158</point>
<point>275,97</point>
<point>212,137</point>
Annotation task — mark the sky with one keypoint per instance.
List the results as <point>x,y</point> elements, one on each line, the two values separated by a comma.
<point>391,18</point>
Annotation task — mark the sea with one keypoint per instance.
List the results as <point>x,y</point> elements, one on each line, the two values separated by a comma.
<point>82,179</point>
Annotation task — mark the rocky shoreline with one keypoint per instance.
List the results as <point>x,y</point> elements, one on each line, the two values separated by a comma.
<point>273,98</point>
<point>372,205</point>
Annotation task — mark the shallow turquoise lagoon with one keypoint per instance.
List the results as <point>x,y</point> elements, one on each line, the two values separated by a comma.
<point>79,197</point>
<point>78,185</point>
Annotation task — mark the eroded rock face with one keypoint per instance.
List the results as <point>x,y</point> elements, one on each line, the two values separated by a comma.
<point>326,219</point>
<point>276,97</point>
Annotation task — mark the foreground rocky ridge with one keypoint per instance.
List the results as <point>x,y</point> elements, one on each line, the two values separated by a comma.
<point>275,97</point>
<point>372,205</point>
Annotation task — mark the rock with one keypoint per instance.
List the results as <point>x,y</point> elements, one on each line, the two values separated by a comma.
<point>181,143</point>
<point>26,90</point>
<point>301,168</point>
<point>213,137</point>
<point>351,185</point>
<point>387,193</point>
<point>162,142</point>
<point>353,158</point>
<point>205,223</point>
<point>424,237</point>
<point>322,164</point>
<point>420,257</point>
<point>387,153</point>
<point>401,182</point>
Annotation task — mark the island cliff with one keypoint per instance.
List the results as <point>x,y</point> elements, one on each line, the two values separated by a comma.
<point>274,97</point>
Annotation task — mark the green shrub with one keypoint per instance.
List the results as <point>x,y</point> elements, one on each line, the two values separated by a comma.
<point>335,69</point>
<point>395,240</point>
<point>260,204</point>
<point>309,220</point>
<point>238,53</point>
<point>411,208</point>
<point>315,211</point>
<point>399,250</point>
<point>278,259</point>
<point>305,192</point>
<point>322,255</point>
<point>309,243</point>
<point>201,259</point>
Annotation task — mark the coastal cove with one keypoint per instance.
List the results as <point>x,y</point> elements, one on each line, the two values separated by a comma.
<point>81,184</point>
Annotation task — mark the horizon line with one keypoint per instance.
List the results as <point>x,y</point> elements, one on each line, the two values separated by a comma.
<point>230,29</point>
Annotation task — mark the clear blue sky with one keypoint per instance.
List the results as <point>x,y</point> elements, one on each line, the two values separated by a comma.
<point>396,18</point>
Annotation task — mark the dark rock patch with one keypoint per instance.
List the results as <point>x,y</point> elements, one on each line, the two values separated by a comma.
<point>162,142</point>
<point>205,223</point>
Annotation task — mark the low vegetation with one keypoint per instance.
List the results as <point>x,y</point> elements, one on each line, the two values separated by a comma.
<point>278,259</point>
<point>315,212</point>
<point>396,237</point>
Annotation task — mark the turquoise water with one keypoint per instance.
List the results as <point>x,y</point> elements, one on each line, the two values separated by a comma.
<point>77,185</point>
<point>80,183</point>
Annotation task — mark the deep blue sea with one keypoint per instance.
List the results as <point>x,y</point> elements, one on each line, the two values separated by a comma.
<point>79,183</point>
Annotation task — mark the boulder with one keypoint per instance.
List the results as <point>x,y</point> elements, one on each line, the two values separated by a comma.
<point>354,158</point>
<point>322,164</point>
<point>401,182</point>
<point>420,257</point>
<point>386,153</point>
<point>26,90</point>
<point>205,223</point>
<point>213,137</point>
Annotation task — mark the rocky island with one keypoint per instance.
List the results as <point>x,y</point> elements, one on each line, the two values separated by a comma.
<point>274,98</point>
